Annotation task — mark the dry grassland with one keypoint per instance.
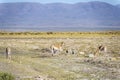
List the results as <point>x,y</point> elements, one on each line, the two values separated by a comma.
<point>32,59</point>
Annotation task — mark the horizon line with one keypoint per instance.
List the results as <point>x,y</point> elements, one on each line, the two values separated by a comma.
<point>58,2</point>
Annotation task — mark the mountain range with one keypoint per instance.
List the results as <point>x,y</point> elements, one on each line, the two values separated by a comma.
<point>56,16</point>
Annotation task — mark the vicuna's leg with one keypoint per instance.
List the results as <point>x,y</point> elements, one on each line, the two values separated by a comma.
<point>53,51</point>
<point>96,53</point>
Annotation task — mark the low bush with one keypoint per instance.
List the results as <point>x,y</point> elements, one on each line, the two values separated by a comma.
<point>6,76</point>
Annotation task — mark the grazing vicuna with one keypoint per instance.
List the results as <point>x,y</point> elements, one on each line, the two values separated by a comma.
<point>56,47</point>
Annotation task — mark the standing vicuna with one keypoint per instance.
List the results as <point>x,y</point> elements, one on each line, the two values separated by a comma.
<point>8,53</point>
<point>56,47</point>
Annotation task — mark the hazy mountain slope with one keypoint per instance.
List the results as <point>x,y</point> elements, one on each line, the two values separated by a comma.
<point>28,15</point>
<point>118,5</point>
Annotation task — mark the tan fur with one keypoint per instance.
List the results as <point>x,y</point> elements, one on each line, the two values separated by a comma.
<point>8,53</point>
<point>57,47</point>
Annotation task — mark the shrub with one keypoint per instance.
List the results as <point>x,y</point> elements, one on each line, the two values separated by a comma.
<point>6,76</point>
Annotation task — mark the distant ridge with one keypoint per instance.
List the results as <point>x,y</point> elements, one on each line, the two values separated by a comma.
<point>27,15</point>
<point>118,5</point>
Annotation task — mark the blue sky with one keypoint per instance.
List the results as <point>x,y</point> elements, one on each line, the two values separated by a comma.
<point>65,1</point>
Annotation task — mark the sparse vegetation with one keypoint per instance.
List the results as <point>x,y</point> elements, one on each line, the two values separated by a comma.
<point>58,34</point>
<point>6,76</point>
<point>31,59</point>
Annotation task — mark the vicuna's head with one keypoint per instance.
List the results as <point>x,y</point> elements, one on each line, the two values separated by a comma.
<point>102,48</point>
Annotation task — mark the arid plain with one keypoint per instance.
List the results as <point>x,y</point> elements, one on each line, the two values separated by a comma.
<point>31,57</point>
